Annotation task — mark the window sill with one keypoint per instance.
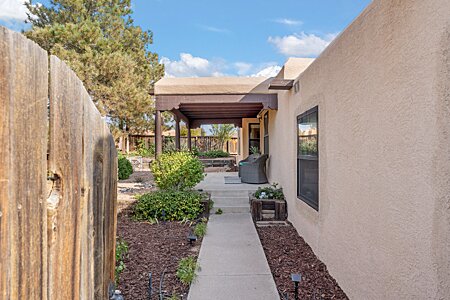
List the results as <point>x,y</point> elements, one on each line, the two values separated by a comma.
<point>310,203</point>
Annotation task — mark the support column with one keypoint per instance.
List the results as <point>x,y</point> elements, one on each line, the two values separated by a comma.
<point>158,133</point>
<point>189,144</point>
<point>177,133</point>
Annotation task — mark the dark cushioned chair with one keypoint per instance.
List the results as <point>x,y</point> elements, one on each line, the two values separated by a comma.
<point>253,169</point>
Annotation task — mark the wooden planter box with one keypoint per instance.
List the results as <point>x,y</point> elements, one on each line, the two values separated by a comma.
<point>268,209</point>
<point>205,203</point>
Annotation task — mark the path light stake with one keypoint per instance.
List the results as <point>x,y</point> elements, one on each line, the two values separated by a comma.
<point>161,285</point>
<point>296,278</point>
<point>150,286</point>
<point>192,238</point>
<point>163,213</point>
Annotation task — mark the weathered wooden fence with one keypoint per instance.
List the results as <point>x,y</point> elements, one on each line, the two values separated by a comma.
<point>58,177</point>
<point>202,143</point>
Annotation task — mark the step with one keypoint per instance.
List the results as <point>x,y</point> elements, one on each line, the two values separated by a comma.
<point>229,193</point>
<point>271,223</point>
<point>231,209</point>
<point>240,201</point>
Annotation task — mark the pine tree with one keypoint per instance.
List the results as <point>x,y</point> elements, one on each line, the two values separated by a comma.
<point>99,41</point>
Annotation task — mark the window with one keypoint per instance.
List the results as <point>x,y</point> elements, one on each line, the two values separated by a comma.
<point>308,158</point>
<point>253,136</point>
<point>266,133</point>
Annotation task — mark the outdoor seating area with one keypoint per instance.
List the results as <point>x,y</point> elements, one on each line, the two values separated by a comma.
<point>253,169</point>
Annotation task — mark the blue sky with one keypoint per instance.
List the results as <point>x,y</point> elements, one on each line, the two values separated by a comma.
<point>223,38</point>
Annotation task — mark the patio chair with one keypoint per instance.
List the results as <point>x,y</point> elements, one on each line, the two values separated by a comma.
<point>253,169</point>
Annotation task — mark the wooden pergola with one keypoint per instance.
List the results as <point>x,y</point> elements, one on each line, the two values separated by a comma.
<point>199,101</point>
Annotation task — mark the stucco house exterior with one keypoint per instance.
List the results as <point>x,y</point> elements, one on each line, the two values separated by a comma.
<point>359,139</point>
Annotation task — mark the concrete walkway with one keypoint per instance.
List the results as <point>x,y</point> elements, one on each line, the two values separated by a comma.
<point>232,261</point>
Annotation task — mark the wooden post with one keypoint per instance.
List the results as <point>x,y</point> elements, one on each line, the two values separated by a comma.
<point>177,133</point>
<point>158,133</point>
<point>189,143</point>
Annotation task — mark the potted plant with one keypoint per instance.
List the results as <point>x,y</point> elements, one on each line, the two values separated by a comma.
<point>268,203</point>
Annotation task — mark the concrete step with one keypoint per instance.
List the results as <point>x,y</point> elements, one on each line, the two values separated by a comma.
<point>231,209</point>
<point>229,193</point>
<point>230,200</point>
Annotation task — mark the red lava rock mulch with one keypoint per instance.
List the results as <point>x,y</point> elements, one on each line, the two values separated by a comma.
<point>288,253</point>
<point>152,248</point>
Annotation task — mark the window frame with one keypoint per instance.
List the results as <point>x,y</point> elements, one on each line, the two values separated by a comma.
<point>266,133</point>
<point>313,203</point>
<point>250,139</point>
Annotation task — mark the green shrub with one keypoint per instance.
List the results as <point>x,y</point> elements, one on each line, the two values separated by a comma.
<point>145,151</point>
<point>200,229</point>
<point>270,192</point>
<point>121,252</point>
<point>177,206</point>
<point>219,211</point>
<point>186,269</point>
<point>214,154</point>
<point>124,166</point>
<point>177,170</point>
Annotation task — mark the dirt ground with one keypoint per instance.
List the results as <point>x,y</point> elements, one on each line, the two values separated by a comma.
<point>287,253</point>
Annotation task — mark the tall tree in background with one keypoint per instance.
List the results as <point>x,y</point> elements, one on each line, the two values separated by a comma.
<point>223,132</point>
<point>98,40</point>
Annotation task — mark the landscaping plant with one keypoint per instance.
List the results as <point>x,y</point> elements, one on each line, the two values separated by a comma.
<point>186,270</point>
<point>270,192</point>
<point>219,211</point>
<point>177,170</point>
<point>121,252</point>
<point>200,229</point>
<point>124,167</point>
<point>214,154</point>
<point>177,206</point>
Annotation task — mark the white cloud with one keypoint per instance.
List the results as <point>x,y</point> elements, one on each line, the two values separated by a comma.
<point>270,71</point>
<point>214,29</point>
<point>13,10</point>
<point>192,66</point>
<point>289,22</point>
<point>243,68</point>
<point>304,45</point>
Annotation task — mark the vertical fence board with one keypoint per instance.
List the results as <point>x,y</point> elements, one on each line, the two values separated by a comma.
<point>23,147</point>
<point>66,116</point>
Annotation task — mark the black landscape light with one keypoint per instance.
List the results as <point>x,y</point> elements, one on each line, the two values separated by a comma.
<point>163,214</point>
<point>150,286</point>
<point>192,238</point>
<point>296,278</point>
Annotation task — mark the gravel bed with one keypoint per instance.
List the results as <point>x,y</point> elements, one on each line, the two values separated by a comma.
<point>287,253</point>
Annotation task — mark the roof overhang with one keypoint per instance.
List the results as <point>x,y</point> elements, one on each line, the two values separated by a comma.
<point>214,100</point>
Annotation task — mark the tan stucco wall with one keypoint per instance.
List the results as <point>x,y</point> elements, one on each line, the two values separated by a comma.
<point>383,91</point>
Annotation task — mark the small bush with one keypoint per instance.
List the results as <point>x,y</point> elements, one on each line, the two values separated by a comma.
<point>144,151</point>
<point>121,252</point>
<point>124,166</point>
<point>186,270</point>
<point>214,154</point>
<point>177,170</point>
<point>177,206</point>
<point>200,229</point>
<point>219,211</point>
<point>270,192</point>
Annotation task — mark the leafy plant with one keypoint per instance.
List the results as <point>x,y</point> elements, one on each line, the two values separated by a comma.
<point>143,150</point>
<point>177,170</point>
<point>254,150</point>
<point>121,252</point>
<point>186,270</point>
<point>200,229</point>
<point>177,206</point>
<point>219,211</point>
<point>270,192</point>
<point>214,154</point>
<point>124,167</point>
<point>223,132</point>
